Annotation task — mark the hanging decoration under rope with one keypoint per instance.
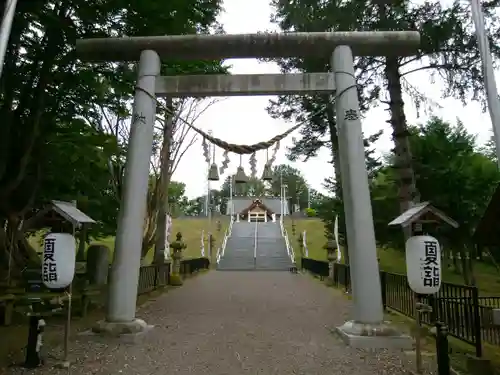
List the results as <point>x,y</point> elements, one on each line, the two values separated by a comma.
<point>225,162</point>
<point>267,174</point>
<point>240,177</point>
<point>275,152</point>
<point>213,172</point>
<point>253,165</point>
<point>206,153</point>
<point>238,149</point>
<point>242,149</point>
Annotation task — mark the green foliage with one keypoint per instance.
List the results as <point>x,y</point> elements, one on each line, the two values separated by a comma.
<point>54,143</point>
<point>310,212</point>
<point>449,48</point>
<point>296,185</point>
<point>453,174</point>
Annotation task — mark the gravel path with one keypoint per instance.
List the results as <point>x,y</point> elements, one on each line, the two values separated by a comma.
<point>238,323</point>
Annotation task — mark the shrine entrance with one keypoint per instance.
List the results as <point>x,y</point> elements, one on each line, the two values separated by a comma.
<point>257,212</point>
<point>367,327</point>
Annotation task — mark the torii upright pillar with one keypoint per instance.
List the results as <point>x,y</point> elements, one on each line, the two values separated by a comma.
<point>122,295</point>
<point>367,327</point>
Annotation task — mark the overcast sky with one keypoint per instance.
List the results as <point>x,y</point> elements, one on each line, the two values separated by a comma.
<point>244,120</point>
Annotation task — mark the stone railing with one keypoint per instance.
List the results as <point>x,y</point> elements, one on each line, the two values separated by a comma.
<point>289,248</point>
<point>202,244</point>
<point>304,244</point>
<point>222,248</point>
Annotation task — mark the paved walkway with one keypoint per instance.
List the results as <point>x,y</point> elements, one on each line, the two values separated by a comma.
<point>230,323</point>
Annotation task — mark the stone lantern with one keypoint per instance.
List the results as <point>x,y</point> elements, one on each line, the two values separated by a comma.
<point>177,246</point>
<point>293,228</point>
<point>331,255</point>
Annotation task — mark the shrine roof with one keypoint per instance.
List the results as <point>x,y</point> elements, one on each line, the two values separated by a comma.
<point>258,202</point>
<point>241,203</point>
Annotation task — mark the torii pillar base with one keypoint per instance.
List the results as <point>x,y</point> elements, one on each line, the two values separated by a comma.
<point>128,331</point>
<point>373,336</point>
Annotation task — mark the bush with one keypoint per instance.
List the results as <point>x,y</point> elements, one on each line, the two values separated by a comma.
<point>310,212</point>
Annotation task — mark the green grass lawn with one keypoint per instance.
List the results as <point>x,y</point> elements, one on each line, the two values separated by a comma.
<point>191,229</point>
<point>487,276</point>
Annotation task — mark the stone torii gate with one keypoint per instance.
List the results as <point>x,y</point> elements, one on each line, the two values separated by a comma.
<point>367,328</point>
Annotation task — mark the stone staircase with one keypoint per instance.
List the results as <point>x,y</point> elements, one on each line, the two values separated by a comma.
<point>241,255</point>
<point>271,248</point>
<point>238,255</point>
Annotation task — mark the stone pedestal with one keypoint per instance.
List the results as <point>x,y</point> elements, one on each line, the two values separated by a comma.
<point>331,273</point>
<point>177,246</point>
<point>479,366</point>
<point>373,336</point>
<point>175,277</point>
<point>128,331</point>
<point>97,264</point>
<point>331,255</point>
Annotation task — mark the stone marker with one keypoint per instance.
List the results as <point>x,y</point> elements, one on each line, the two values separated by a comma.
<point>97,264</point>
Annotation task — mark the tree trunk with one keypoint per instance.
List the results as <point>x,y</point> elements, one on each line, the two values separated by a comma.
<point>403,159</point>
<point>163,209</point>
<point>15,251</point>
<point>464,266</point>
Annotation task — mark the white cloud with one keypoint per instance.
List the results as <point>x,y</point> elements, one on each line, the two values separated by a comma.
<point>244,120</point>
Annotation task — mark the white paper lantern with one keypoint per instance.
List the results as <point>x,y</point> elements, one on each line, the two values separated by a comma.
<point>58,267</point>
<point>423,264</point>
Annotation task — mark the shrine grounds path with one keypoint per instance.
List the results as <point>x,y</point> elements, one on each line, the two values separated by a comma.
<point>232,323</point>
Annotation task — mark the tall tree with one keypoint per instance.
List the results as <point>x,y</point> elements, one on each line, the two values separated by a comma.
<point>255,187</point>
<point>296,185</point>
<point>316,199</point>
<point>45,93</point>
<point>176,197</point>
<point>454,175</point>
<point>195,206</point>
<point>448,49</point>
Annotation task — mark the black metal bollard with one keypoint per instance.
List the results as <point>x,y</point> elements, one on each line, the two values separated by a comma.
<point>36,327</point>
<point>443,357</point>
